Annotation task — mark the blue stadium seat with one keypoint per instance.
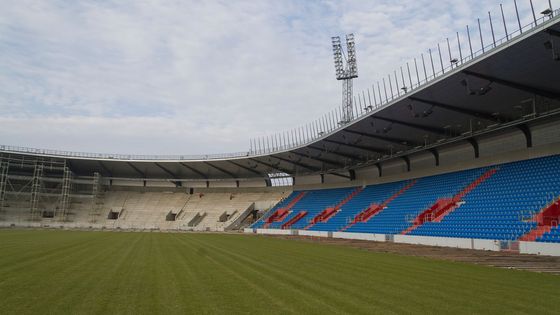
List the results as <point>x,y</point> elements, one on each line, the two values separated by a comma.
<point>501,207</point>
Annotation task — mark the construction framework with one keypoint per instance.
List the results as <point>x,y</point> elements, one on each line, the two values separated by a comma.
<point>33,189</point>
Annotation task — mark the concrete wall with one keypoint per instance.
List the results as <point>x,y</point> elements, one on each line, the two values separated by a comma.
<point>367,173</point>
<point>314,233</point>
<point>486,245</point>
<point>133,183</point>
<point>434,241</point>
<point>456,154</point>
<point>253,183</point>
<point>422,160</point>
<point>334,179</point>
<point>273,232</point>
<point>194,184</point>
<point>360,236</point>
<point>538,248</point>
<point>159,184</point>
<point>501,143</point>
<point>394,167</point>
<point>546,133</point>
<point>224,183</point>
<point>308,180</point>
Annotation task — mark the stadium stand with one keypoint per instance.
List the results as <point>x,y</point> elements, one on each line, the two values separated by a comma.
<point>504,202</point>
<point>148,211</point>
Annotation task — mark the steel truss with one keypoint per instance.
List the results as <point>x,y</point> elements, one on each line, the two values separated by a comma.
<point>4,166</point>
<point>62,213</point>
<point>97,198</point>
<point>36,182</point>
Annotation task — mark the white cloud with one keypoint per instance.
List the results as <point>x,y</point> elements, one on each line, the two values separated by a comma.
<point>194,77</point>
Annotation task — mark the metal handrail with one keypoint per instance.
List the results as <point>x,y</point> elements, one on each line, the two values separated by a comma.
<point>60,153</point>
<point>330,124</point>
<point>306,135</point>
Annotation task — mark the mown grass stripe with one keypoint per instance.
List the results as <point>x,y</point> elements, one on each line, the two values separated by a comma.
<point>62,272</point>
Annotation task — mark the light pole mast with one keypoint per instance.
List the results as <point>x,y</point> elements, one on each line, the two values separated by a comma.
<point>346,74</point>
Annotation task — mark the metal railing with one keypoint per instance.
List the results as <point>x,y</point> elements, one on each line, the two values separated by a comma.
<point>64,154</point>
<point>414,75</point>
<point>332,121</point>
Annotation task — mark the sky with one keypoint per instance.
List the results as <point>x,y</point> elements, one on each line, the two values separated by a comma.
<point>198,77</point>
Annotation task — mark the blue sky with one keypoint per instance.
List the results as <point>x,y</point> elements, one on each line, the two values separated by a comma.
<point>190,77</point>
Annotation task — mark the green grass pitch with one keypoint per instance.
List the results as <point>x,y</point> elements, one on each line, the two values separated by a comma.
<point>64,272</point>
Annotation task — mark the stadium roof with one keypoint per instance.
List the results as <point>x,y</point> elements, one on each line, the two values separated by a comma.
<point>494,91</point>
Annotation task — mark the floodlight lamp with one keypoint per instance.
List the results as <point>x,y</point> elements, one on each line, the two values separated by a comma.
<point>454,60</point>
<point>484,90</point>
<point>548,11</point>
<point>427,113</point>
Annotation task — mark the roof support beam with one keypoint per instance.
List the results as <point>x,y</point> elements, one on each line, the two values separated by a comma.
<point>379,168</point>
<point>361,147</point>
<point>333,152</point>
<point>166,170</point>
<point>475,146</point>
<point>407,161</point>
<point>274,167</point>
<point>327,161</point>
<point>528,136</point>
<point>552,32</point>
<point>194,170</point>
<point>220,169</point>
<point>435,152</point>
<point>246,168</point>
<point>456,109</point>
<point>340,175</point>
<point>105,169</point>
<point>298,163</point>
<point>136,169</point>
<point>403,142</point>
<point>515,85</point>
<point>439,131</point>
<point>68,164</point>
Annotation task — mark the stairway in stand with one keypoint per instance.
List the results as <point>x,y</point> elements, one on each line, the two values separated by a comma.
<point>374,209</point>
<point>294,220</point>
<point>328,213</point>
<point>444,206</point>
<point>546,219</point>
<point>282,213</point>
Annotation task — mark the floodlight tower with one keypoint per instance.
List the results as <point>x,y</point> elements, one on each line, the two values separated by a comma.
<point>345,73</point>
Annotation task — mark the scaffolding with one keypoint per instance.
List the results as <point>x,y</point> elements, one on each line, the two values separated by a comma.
<point>97,198</point>
<point>4,166</point>
<point>36,183</point>
<point>62,213</point>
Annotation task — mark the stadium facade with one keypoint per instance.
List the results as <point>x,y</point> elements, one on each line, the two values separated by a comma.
<point>425,163</point>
